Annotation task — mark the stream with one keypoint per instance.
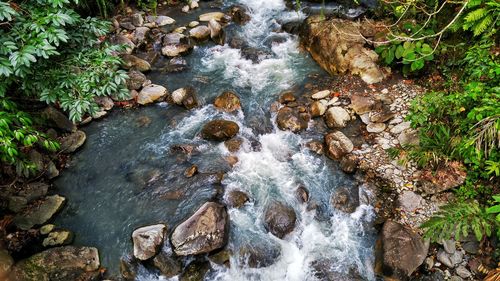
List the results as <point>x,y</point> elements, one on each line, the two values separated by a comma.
<point>127,175</point>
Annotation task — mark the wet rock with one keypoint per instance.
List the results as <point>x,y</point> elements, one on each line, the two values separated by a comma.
<point>227,102</point>
<point>135,80</point>
<point>324,269</point>
<point>218,16</point>
<point>58,120</point>
<point>200,32</point>
<point>191,171</point>
<point>345,199</point>
<point>205,231</point>
<point>175,50</point>
<point>216,32</point>
<point>239,15</point>
<point>160,20</point>
<point>318,108</point>
<point>148,240</point>
<point>399,251</point>
<point>177,64</point>
<point>129,266</point>
<point>316,146</point>
<point>219,130</point>
<point>409,201</point>
<point>59,264</point>
<point>338,50</point>
<point>361,104</point>
<point>337,117</point>
<point>287,97</point>
<point>105,103</point>
<point>348,164</point>
<point>337,145</point>
<point>151,93</point>
<point>375,127</point>
<point>133,62</point>
<point>195,271</point>
<point>58,238</point>
<point>234,144</point>
<point>289,119</point>
<point>46,229</point>
<point>221,257</point>
<point>120,39</point>
<point>254,54</point>
<point>257,256</point>
<point>302,194</point>
<point>167,264</point>
<point>450,260</point>
<point>236,198</point>
<point>39,212</point>
<point>6,263</point>
<point>321,95</point>
<point>279,219</point>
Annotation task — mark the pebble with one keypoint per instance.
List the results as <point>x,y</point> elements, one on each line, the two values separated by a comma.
<point>321,94</point>
<point>463,272</point>
<point>185,9</point>
<point>193,24</point>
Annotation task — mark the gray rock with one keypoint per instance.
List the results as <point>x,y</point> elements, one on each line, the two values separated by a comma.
<point>449,246</point>
<point>201,32</point>
<point>409,201</point>
<point>139,35</point>
<point>279,219</point>
<point>51,171</point>
<point>151,93</point>
<point>161,20</point>
<point>337,145</point>
<point>135,80</point>
<point>463,272</point>
<point>123,40</point>
<point>205,231</point>
<point>400,127</point>
<point>166,263</point>
<point>375,127</point>
<point>105,103</point>
<point>40,212</point>
<point>72,142</point>
<point>321,95</point>
<point>175,50</point>
<point>450,260</point>
<point>256,255</point>
<point>58,120</point>
<point>148,240</point>
<point>409,137</point>
<point>137,19</point>
<point>127,25</point>
<point>337,117</point>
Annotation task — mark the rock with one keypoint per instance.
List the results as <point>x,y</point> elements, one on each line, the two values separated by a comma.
<point>337,117</point>
<point>333,101</point>
<point>302,194</point>
<point>185,9</point>
<point>139,35</point>
<point>193,24</point>
<point>337,145</point>
<point>105,103</point>
<point>239,15</point>
<point>449,246</point>
<point>179,95</point>
<point>399,251</point>
<point>137,19</point>
<point>220,130</point>
<point>59,264</point>
<point>175,50</point>
<point>463,272</point>
<point>445,177</point>
<point>321,95</point>
<point>287,97</point>
<point>409,201</point>
<point>177,64</point>
<point>120,39</point>
<point>180,30</point>
<point>200,32</point>
<point>151,93</point>
<point>6,263</point>
<point>361,104</point>
<point>17,203</point>
<point>39,212</point>
<point>471,245</point>
<point>236,198</point>
<point>324,269</point>
<point>345,199</point>
<point>133,62</point>
<point>255,255</point>
<point>279,219</point>
<point>315,146</point>
<point>195,271</point>
<point>409,137</point>
<point>148,240</point>
<point>58,120</point>
<point>375,127</point>
<point>318,108</point>
<point>72,142</point>
<point>46,229</point>
<point>191,171</point>
<point>216,32</point>
<point>135,80</point>
<point>348,164</point>
<point>289,119</point>
<point>129,266</point>
<point>399,128</point>
<point>194,4</point>
<point>205,231</point>
<point>234,144</point>
<point>127,25</point>
<point>167,264</point>
<point>213,15</point>
<point>58,238</point>
<point>221,257</point>
<point>450,260</point>
<point>161,20</point>
<point>340,49</point>
<point>227,102</point>
<point>365,118</point>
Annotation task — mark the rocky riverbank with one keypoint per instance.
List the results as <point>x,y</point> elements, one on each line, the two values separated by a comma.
<point>362,118</point>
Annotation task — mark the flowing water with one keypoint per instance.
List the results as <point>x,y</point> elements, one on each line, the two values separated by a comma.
<point>127,175</point>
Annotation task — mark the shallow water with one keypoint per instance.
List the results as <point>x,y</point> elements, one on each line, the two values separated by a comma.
<point>127,175</point>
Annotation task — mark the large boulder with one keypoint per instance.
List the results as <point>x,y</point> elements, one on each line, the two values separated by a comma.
<point>148,240</point>
<point>337,117</point>
<point>135,80</point>
<point>219,130</point>
<point>205,231</point>
<point>39,212</point>
<point>73,141</point>
<point>338,47</point>
<point>399,251</point>
<point>279,219</point>
<point>58,120</point>
<point>151,93</point>
<point>337,145</point>
<point>59,264</point>
<point>227,102</point>
<point>289,119</point>
<point>236,198</point>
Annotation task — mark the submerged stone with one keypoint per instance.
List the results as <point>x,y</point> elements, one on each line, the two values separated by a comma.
<point>279,219</point>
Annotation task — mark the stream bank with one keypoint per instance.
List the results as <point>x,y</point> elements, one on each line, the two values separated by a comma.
<point>268,238</point>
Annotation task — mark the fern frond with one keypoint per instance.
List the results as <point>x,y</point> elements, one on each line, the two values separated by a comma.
<point>474,3</point>
<point>483,25</point>
<point>476,15</point>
